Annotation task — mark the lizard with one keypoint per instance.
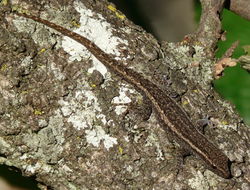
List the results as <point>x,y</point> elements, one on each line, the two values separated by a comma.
<point>171,116</point>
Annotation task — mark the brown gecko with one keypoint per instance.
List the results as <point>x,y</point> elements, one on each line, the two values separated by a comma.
<point>170,114</point>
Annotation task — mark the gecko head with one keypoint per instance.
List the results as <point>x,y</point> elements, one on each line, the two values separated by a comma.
<point>222,167</point>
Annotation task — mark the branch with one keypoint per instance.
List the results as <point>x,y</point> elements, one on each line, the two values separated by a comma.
<point>209,30</point>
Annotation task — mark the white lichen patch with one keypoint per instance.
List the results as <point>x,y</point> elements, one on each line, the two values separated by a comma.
<point>199,50</point>
<point>5,86</point>
<point>66,169</point>
<point>24,157</point>
<point>153,141</point>
<point>129,168</point>
<point>97,30</point>
<point>96,135</point>
<point>82,110</point>
<point>56,71</point>
<point>39,35</point>
<point>183,50</point>
<point>229,126</point>
<point>121,100</point>
<point>32,168</point>
<point>38,166</point>
<point>226,105</point>
<point>5,146</point>
<point>102,118</point>
<point>42,123</point>
<point>26,62</point>
<point>126,138</point>
<point>198,182</point>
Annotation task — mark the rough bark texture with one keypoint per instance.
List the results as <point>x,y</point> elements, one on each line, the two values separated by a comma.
<point>240,7</point>
<point>66,120</point>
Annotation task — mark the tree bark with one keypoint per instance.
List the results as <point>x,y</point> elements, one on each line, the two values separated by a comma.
<point>72,124</point>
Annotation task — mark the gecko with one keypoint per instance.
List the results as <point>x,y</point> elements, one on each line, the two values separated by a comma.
<point>171,116</point>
